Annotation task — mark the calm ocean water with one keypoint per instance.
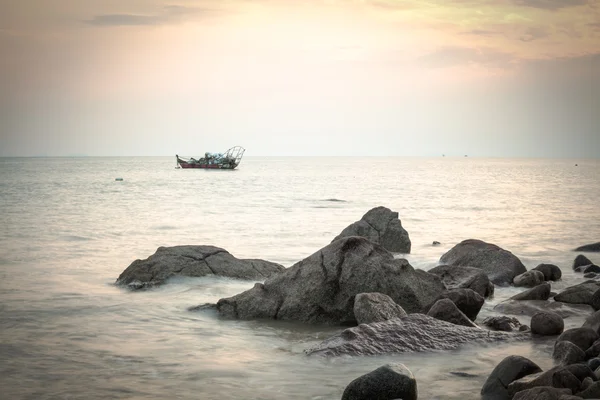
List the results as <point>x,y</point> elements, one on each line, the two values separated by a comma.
<point>69,229</point>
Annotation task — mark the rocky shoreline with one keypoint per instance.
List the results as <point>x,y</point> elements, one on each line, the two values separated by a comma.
<point>390,307</point>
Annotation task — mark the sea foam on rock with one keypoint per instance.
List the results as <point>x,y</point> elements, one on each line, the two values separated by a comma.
<point>382,226</point>
<point>193,261</point>
<point>322,287</point>
<point>501,266</point>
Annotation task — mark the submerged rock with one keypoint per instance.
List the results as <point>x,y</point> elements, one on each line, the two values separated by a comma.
<point>322,287</point>
<point>594,247</point>
<point>531,307</point>
<point>551,272</point>
<point>464,277</point>
<point>375,307</point>
<point>392,381</point>
<point>510,369</point>
<point>193,261</point>
<point>500,265</point>
<point>382,226</point>
<point>413,333</point>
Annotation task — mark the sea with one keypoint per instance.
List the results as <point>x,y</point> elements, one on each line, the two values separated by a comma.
<point>69,228</point>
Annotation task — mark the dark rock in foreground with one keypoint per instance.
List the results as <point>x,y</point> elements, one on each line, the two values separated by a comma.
<point>467,301</point>
<point>380,225</point>
<point>464,277</point>
<point>594,247</point>
<point>413,333</point>
<point>510,369</point>
<point>500,265</point>
<point>193,261</point>
<point>392,381</point>
<point>322,287</point>
<point>375,307</point>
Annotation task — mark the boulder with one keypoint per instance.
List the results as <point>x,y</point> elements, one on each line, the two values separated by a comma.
<point>586,383</point>
<point>551,272</point>
<point>593,322</point>
<point>542,393</point>
<point>322,287</point>
<point>540,292</point>
<point>193,261</point>
<point>531,307</point>
<point>593,363</point>
<point>510,369</point>
<point>581,261</point>
<point>380,225</point>
<point>466,300</point>
<point>593,351</point>
<point>591,392</point>
<point>464,277</point>
<point>503,323</point>
<point>594,247</point>
<point>500,265</point>
<point>565,379</point>
<point>566,353</point>
<point>595,300</point>
<point>578,294</point>
<point>530,279</point>
<point>446,310</point>
<point>392,381</point>
<point>547,323</point>
<point>375,307</point>
<point>592,268</point>
<point>581,337</point>
<point>580,371</point>
<point>413,333</point>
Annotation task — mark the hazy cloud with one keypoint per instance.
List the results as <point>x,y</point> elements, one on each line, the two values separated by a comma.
<point>481,32</point>
<point>533,33</point>
<point>551,4</point>
<point>450,56</point>
<point>168,14</point>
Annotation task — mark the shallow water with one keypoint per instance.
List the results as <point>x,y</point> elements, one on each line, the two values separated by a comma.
<point>69,229</point>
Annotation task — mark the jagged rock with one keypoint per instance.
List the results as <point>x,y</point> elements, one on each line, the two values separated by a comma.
<point>503,323</point>
<point>578,294</point>
<point>510,369</point>
<point>566,353</point>
<point>530,278</point>
<point>547,323</point>
<point>581,261</point>
<point>500,265</point>
<point>382,226</point>
<point>540,292</point>
<point>531,307</point>
<point>193,261</point>
<point>375,307</point>
<point>467,301</point>
<point>581,337</point>
<point>413,333</point>
<point>322,287</point>
<point>392,381</point>
<point>542,393</point>
<point>594,247</point>
<point>551,272</point>
<point>446,310</point>
<point>464,277</point>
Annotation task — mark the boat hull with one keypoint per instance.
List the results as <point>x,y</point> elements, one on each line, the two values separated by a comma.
<point>183,164</point>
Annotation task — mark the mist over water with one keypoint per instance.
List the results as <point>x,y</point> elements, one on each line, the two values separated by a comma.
<point>69,229</point>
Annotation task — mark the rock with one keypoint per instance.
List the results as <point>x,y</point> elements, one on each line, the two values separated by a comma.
<point>322,287</point>
<point>551,272</point>
<point>510,369</point>
<point>413,333</point>
<point>594,247</point>
<point>531,307</point>
<point>464,277</point>
<point>592,268</point>
<point>593,351</point>
<point>581,261</point>
<point>580,371</point>
<point>578,294</point>
<point>590,275</point>
<point>446,310</point>
<point>547,323</point>
<point>592,391</point>
<point>595,300</point>
<point>586,383</point>
<point>593,322</point>
<point>502,323</point>
<point>466,300</point>
<point>540,292</point>
<point>566,353</point>
<point>501,266</point>
<point>542,393</point>
<point>380,225</point>
<point>581,337</point>
<point>530,278</point>
<point>392,381</point>
<point>593,363</point>
<point>193,261</point>
<point>375,307</point>
<point>565,379</point>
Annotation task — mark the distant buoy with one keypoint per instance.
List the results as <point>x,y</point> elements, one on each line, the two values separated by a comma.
<point>118,179</point>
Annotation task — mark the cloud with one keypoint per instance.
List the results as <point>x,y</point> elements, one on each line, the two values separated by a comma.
<point>534,33</point>
<point>481,32</point>
<point>551,4</point>
<point>451,56</point>
<point>168,14</point>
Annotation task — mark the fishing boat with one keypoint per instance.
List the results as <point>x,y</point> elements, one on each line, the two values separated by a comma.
<point>228,160</point>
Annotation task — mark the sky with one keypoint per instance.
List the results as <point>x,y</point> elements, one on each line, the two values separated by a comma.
<point>487,78</point>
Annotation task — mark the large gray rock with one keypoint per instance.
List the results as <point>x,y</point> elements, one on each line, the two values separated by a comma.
<point>193,261</point>
<point>547,323</point>
<point>594,247</point>
<point>464,277</point>
<point>375,307</point>
<point>413,333</point>
<point>529,278</point>
<point>446,310</point>
<point>380,225</point>
<point>551,272</point>
<point>540,292</point>
<point>392,381</point>
<point>500,265</point>
<point>467,301</point>
<point>322,287</point>
<point>510,369</point>
<point>578,294</point>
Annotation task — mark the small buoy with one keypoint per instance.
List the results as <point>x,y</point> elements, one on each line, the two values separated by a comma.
<point>118,179</point>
